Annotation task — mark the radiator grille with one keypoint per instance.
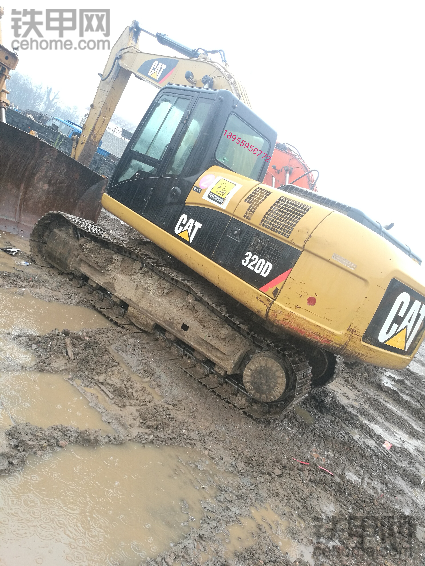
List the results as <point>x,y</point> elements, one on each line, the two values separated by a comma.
<point>284,215</point>
<point>254,200</point>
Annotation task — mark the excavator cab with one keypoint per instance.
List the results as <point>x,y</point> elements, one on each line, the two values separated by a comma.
<point>185,131</point>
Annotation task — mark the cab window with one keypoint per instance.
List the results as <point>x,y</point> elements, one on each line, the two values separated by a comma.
<point>151,144</point>
<point>161,126</point>
<point>190,138</point>
<point>241,148</point>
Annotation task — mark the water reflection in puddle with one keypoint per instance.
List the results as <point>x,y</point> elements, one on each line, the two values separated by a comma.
<point>305,415</point>
<point>20,311</point>
<point>45,399</point>
<point>101,507</point>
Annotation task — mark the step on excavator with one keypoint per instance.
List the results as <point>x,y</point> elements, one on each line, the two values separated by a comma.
<point>264,287</point>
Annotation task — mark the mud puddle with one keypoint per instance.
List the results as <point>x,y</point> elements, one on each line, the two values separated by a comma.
<point>45,399</point>
<point>242,535</point>
<point>20,260</point>
<point>264,506</point>
<point>103,506</point>
<point>21,312</point>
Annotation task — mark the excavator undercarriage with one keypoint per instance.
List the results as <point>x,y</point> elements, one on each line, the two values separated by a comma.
<point>232,351</point>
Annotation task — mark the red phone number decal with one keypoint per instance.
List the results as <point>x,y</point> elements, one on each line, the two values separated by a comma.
<point>245,144</point>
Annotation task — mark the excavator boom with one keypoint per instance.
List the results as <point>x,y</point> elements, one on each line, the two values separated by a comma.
<point>24,199</point>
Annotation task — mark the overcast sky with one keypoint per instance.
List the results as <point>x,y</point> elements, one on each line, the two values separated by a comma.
<point>341,81</point>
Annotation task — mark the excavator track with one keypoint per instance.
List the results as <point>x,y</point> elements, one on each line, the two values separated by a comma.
<point>85,250</point>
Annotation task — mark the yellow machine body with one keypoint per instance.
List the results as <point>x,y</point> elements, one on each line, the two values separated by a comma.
<point>350,291</point>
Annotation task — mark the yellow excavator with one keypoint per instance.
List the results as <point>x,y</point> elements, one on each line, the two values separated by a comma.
<point>263,287</point>
<point>267,285</point>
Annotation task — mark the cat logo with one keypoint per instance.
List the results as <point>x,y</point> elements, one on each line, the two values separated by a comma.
<point>187,228</point>
<point>398,323</point>
<point>156,70</point>
<point>401,335</point>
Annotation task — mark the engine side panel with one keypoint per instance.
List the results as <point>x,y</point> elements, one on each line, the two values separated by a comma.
<point>346,271</point>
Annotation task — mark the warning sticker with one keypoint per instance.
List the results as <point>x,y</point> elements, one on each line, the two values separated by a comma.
<point>221,191</point>
<point>399,322</point>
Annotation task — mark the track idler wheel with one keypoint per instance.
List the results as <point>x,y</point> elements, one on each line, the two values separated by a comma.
<point>266,377</point>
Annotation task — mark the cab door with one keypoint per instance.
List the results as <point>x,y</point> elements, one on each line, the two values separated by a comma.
<point>180,167</point>
<point>137,183</point>
<point>152,178</point>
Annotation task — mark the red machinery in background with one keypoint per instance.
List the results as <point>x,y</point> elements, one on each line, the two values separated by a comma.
<point>287,167</point>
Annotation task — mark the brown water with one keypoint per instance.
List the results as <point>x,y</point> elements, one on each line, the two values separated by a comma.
<point>243,535</point>
<point>14,263</point>
<point>45,399</point>
<point>20,311</point>
<point>99,506</point>
<point>104,506</point>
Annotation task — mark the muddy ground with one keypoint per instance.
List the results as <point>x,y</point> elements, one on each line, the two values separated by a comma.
<point>322,468</point>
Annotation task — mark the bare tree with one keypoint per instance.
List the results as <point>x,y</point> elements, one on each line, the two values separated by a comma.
<point>51,102</point>
<point>26,95</point>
